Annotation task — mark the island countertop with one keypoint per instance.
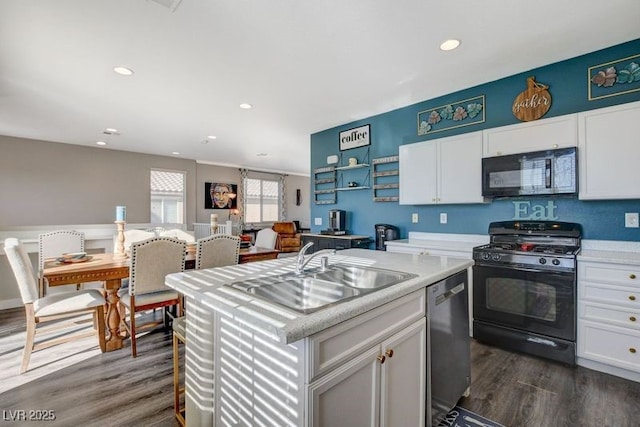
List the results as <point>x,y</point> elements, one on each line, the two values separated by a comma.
<point>287,326</point>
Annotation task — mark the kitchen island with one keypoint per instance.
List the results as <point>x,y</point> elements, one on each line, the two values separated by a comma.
<point>251,362</point>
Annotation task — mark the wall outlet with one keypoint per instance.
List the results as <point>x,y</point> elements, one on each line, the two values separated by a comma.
<point>414,218</point>
<point>631,220</point>
<point>317,221</point>
<point>443,218</point>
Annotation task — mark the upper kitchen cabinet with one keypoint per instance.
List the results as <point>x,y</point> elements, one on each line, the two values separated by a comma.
<point>609,152</point>
<point>538,135</point>
<point>439,171</point>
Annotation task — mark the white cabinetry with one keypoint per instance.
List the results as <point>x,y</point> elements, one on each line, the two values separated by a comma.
<point>609,152</point>
<point>371,370</point>
<point>446,170</point>
<point>384,386</point>
<point>609,317</point>
<point>538,135</point>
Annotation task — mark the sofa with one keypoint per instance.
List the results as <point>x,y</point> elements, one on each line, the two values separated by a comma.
<point>289,239</point>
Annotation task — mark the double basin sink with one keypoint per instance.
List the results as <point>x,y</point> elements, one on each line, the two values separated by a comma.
<point>317,288</point>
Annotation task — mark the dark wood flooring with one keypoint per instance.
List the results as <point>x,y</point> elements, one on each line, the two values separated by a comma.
<point>88,388</point>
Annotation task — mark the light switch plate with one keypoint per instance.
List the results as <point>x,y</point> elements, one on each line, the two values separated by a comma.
<point>414,218</point>
<point>631,219</point>
<point>443,218</point>
<point>317,221</point>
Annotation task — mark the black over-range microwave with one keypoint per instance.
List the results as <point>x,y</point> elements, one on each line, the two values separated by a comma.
<point>531,174</point>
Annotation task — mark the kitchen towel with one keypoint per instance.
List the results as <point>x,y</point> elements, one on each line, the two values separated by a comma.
<point>460,417</point>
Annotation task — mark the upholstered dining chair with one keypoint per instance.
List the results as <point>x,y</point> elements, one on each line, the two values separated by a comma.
<point>178,234</point>
<point>217,251</point>
<point>151,261</point>
<point>53,244</point>
<point>266,238</point>
<point>54,307</point>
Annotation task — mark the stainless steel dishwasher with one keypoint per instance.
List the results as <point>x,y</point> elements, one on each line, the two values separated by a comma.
<point>448,345</point>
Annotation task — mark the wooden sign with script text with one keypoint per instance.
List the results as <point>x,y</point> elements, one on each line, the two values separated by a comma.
<point>532,103</point>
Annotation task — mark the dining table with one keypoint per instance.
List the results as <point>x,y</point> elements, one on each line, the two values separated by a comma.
<point>102,267</point>
<point>111,269</point>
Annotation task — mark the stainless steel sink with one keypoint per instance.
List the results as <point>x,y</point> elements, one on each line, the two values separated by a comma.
<point>315,289</point>
<point>365,278</point>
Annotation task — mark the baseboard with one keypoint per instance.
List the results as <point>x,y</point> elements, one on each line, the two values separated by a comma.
<point>10,303</point>
<point>608,369</point>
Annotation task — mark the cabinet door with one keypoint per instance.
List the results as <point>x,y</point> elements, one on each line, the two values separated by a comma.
<point>404,377</point>
<point>545,134</point>
<point>348,396</point>
<point>460,169</point>
<point>418,175</point>
<point>609,153</point>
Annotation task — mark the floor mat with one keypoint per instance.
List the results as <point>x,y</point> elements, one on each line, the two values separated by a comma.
<point>460,417</point>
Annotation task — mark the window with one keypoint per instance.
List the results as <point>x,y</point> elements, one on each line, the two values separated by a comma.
<point>262,199</point>
<point>167,197</point>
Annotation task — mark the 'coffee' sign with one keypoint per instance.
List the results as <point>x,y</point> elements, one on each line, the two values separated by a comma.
<point>353,138</point>
<point>532,103</point>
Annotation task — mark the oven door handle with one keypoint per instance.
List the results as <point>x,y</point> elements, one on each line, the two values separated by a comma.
<point>528,270</point>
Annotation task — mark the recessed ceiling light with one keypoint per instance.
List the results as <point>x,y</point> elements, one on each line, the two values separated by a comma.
<point>246,106</point>
<point>262,154</point>
<point>449,44</point>
<point>101,143</point>
<point>111,130</point>
<point>124,71</point>
<point>175,153</point>
<point>212,137</point>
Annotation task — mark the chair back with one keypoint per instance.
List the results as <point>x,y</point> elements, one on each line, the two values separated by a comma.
<point>152,260</point>
<point>176,233</point>
<point>22,269</point>
<point>217,251</point>
<point>266,238</point>
<point>54,243</point>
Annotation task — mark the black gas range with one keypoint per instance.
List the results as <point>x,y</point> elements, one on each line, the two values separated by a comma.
<point>525,288</point>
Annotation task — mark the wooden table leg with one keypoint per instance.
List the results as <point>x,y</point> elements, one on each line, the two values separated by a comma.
<point>114,341</point>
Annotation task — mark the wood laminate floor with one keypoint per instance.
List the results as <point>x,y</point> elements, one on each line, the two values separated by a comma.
<point>88,388</point>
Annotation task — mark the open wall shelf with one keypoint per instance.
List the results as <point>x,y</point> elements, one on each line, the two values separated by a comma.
<point>386,175</point>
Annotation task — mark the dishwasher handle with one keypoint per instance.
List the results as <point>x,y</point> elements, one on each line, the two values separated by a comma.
<point>450,293</point>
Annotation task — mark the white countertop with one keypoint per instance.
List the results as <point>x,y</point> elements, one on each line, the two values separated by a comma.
<point>441,241</point>
<point>609,251</point>
<point>288,326</point>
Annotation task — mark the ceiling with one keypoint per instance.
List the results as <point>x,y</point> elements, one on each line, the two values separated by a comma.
<point>304,65</point>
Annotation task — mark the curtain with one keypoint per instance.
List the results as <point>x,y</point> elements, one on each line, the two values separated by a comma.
<point>242,207</point>
<point>283,198</point>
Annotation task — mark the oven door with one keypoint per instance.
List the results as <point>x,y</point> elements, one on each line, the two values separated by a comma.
<point>530,300</point>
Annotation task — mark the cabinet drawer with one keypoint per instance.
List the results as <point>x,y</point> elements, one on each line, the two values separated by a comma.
<point>618,295</point>
<point>609,344</point>
<point>623,317</point>
<point>338,344</point>
<point>609,273</point>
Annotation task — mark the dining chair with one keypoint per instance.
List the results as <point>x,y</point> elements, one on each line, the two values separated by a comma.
<point>53,244</point>
<point>266,238</point>
<point>217,251</point>
<point>133,235</point>
<point>151,261</point>
<point>54,307</point>
<point>179,336</point>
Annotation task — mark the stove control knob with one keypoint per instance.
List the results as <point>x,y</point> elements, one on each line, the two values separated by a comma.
<point>542,260</point>
<point>486,256</point>
<point>496,257</point>
<point>555,261</point>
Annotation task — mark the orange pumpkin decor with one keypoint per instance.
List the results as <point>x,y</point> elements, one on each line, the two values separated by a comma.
<point>532,103</point>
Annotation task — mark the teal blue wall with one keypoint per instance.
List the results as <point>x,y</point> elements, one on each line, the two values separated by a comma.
<point>602,220</point>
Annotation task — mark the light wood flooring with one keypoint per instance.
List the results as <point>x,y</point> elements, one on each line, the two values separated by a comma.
<point>88,388</point>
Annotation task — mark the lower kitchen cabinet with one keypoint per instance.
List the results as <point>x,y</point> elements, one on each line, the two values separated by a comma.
<point>383,386</point>
<point>327,241</point>
<point>609,318</point>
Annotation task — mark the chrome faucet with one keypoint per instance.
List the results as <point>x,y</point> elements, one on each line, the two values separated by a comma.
<point>301,262</point>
